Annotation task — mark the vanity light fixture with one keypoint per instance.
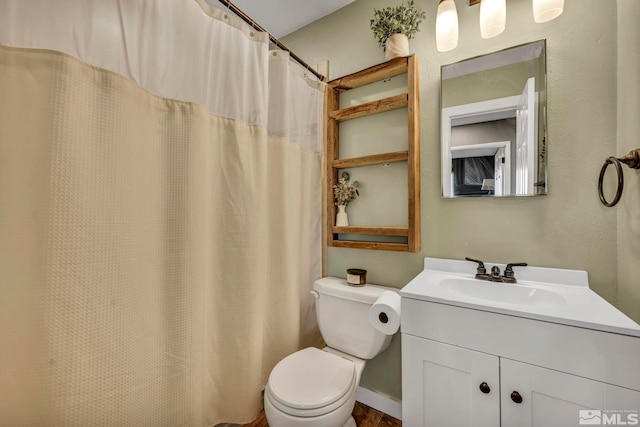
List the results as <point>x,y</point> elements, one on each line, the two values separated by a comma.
<point>546,10</point>
<point>493,17</point>
<point>446,26</point>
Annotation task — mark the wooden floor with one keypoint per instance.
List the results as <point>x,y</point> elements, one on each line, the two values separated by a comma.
<point>363,414</point>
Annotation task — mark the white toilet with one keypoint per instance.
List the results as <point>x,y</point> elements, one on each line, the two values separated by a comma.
<point>317,388</point>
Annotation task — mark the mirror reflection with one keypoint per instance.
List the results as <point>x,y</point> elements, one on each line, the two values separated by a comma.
<point>494,124</point>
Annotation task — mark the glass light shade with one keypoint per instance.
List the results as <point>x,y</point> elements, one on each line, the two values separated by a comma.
<point>493,15</point>
<point>446,26</point>
<point>546,10</point>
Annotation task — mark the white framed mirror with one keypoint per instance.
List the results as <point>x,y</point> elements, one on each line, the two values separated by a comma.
<point>493,124</point>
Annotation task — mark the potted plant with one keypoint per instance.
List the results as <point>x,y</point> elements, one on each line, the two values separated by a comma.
<point>393,27</point>
<point>343,193</point>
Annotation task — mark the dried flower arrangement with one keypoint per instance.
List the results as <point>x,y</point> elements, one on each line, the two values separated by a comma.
<point>343,191</point>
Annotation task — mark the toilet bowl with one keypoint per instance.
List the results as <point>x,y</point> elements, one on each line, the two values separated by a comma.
<point>313,387</point>
<point>317,388</point>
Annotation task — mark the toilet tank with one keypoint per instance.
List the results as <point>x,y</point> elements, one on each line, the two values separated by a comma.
<point>343,317</point>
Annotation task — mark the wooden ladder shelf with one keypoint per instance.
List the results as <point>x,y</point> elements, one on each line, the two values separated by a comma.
<point>335,115</point>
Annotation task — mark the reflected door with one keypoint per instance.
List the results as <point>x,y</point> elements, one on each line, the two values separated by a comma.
<point>526,159</point>
<point>503,171</point>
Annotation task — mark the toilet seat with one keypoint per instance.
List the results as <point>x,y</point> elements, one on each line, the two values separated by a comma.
<point>311,382</point>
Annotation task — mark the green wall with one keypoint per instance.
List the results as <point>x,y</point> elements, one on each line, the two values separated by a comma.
<point>498,82</point>
<point>629,138</point>
<point>568,228</point>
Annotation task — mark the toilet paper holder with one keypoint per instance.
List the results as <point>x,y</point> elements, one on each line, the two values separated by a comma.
<point>383,318</point>
<point>384,314</point>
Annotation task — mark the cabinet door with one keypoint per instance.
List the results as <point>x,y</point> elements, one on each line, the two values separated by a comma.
<point>622,399</point>
<point>555,399</point>
<point>441,385</point>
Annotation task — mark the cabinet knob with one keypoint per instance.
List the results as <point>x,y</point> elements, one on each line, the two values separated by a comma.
<point>515,396</point>
<point>484,387</point>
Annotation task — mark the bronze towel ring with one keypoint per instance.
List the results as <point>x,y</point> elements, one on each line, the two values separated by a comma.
<point>632,160</point>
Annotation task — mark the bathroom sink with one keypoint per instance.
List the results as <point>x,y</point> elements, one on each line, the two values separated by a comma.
<point>548,294</point>
<point>506,294</point>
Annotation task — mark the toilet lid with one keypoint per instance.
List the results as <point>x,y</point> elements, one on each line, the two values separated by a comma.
<point>311,378</point>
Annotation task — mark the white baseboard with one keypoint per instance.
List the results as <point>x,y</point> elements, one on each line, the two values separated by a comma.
<point>379,402</point>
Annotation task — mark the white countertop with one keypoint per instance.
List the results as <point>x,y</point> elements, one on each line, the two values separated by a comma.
<point>571,303</point>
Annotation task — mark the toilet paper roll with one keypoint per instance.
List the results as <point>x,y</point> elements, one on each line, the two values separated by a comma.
<point>384,314</point>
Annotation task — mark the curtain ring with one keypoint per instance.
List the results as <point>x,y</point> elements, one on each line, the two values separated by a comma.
<point>226,14</point>
<point>616,199</point>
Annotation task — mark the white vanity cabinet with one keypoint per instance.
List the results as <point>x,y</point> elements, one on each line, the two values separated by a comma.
<point>551,398</point>
<point>461,366</point>
<point>444,385</point>
<point>468,363</point>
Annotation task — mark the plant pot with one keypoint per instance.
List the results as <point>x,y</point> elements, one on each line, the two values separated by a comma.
<point>342,220</point>
<point>397,45</point>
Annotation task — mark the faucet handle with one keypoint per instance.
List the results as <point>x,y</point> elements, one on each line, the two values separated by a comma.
<point>509,275</point>
<point>481,272</point>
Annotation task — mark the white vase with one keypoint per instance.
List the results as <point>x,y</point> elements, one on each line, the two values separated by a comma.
<point>342,220</point>
<point>397,45</point>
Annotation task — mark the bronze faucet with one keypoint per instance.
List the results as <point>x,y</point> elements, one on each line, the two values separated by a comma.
<point>481,272</point>
<point>495,274</point>
<point>508,277</point>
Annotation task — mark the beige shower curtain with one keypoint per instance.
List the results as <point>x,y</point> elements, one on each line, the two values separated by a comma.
<point>157,246</point>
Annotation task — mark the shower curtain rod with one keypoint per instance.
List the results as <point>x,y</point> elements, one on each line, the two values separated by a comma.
<point>274,40</point>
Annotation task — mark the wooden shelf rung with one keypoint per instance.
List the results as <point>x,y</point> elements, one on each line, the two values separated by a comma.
<point>372,74</point>
<point>374,159</point>
<point>381,246</point>
<point>373,107</point>
<point>376,231</point>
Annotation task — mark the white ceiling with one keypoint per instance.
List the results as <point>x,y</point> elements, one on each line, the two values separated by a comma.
<point>282,17</point>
